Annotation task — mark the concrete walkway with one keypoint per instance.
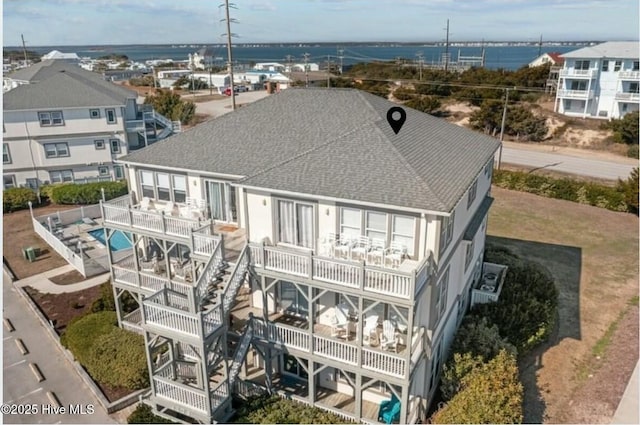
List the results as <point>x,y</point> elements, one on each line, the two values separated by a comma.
<point>628,410</point>
<point>42,283</point>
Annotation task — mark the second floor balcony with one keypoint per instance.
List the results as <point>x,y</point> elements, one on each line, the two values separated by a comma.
<point>629,75</point>
<point>628,97</point>
<point>578,73</point>
<point>576,94</point>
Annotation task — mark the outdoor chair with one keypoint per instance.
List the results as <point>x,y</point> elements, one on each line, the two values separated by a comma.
<point>328,244</point>
<point>389,411</point>
<point>362,246</point>
<point>370,329</point>
<point>396,253</point>
<point>343,245</point>
<point>388,339</point>
<point>376,253</point>
<point>168,208</point>
<point>145,204</point>
<point>340,323</point>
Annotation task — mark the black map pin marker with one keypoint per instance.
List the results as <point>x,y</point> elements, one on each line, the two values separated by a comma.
<point>396,124</point>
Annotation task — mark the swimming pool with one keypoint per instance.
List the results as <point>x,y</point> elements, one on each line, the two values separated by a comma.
<point>117,242</point>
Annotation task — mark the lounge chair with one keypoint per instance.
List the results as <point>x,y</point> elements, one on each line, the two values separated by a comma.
<point>388,339</point>
<point>389,411</point>
<point>369,332</point>
<point>340,324</point>
<point>361,247</point>
<point>168,208</point>
<point>144,204</point>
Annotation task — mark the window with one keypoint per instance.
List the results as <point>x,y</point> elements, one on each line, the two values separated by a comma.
<point>579,85</point>
<point>435,365</point>
<point>52,118</point>
<point>295,223</point>
<point>146,181</point>
<point>441,298</point>
<point>111,116</point>
<point>633,88</point>
<point>293,366</point>
<point>350,221</point>
<point>617,66</point>
<point>605,66</point>
<point>403,230</point>
<point>103,171</point>
<point>99,144</point>
<point>9,181</point>
<point>446,231</point>
<point>376,225</point>
<point>6,155</point>
<point>582,65</point>
<point>32,183</point>
<point>61,176</point>
<point>472,193</point>
<point>56,150</point>
<point>115,145</point>
<point>636,66</point>
<point>468,255</point>
<point>163,186</point>
<point>179,188</point>
<point>293,300</point>
<point>118,171</point>
<point>94,113</point>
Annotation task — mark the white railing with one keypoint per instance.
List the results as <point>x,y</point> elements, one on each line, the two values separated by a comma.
<point>572,72</point>
<point>334,349</point>
<point>218,395</point>
<point>629,75</point>
<point>165,371</point>
<point>256,255</point>
<point>187,369</point>
<point>388,282</point>
<point>417,346</point>
<point>380,361</point>
<point>208,275</point>
<point>71,216</point>
<point>152,282</point>
<point>65,252</point>
<point>205,244</point>
<point>236,279</point>
<point>336,271</point>
<point>170,318</point>
<point>576,94</point>
<point>149,220</point>
<point>211,320</point>
<point>184,395</point>
<point>630,97</point>
<point>124,275</point>
<point>286,261</point>
<point>248,389</point>
<point>289,336</point>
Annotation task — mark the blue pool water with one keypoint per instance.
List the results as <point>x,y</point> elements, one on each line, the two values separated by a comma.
<point>117,242</point>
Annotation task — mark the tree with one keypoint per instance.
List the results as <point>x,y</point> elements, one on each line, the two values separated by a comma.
<point>428,104</point>
<point>172,106</point>
<point>491,393</point>
<point>523,124</point>
<point>629,188</point>
<point>144,415</point>
<point>626,129</point>
<point>190,83</point>
<point>488,118</point>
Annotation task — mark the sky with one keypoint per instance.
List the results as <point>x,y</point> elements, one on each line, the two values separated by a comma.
<point>99,22</point>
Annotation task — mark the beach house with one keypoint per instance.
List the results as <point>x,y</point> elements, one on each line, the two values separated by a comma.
<point>299,245</point>
<point>600,81</point>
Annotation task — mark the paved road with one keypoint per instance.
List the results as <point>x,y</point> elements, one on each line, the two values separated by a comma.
<point>603,169</point>
<point>20,386</point>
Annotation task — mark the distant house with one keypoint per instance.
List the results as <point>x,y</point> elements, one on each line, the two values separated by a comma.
<point>554,58</point>
<point>600,81</point>
<point>57,55</point>
<point>65,124</point>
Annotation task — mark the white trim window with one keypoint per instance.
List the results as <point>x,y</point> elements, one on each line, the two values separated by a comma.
<point>99,144</point>
<point>179,188</point>
<point>50,118</point>
<point>103,171</point>
<point>295,223</point>
<point>56,150</point>
<point>468,254</point>
<point>94,113</point>
<point>163,186</point>
<point>61,176</point>
<point>473,190</point>
<point>111,116</point>
<point>435,364</point>
<point>9,181</point>
<point>446,231</point>
<point>118,170</point>
<point>376,225</point>
<point>488,169</point>
<point>403,229</point>
<point>115,145</point>
<point>350,221</point>
<point>146,183</point>
<point>6,155</point>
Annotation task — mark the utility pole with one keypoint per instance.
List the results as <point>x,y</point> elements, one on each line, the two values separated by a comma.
<point>328,71</point>
<point>24,50</point>
<point>306,69</point>
<point>504,120</point>
<point>446,50</point>
<point>420,56</point>
<point>341,55</point>
<point>229,54</point>
<point>540,46</point>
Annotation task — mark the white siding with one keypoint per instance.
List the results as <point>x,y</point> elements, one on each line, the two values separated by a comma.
<point>260,217</point>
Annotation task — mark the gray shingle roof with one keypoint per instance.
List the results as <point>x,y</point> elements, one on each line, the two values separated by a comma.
<point>334,143</point>
<point>610,49</point>
<point>56,84</point>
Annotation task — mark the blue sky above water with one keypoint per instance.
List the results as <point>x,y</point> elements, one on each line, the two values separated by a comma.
<point>82,22</point>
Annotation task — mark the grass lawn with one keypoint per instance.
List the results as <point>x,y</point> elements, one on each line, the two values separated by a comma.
<point>593,255</point>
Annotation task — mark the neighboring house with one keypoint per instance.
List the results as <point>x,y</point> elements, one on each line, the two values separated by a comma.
<point>57,55</point>
<point>600,81</point>
<point>64,124</point>
<point>342,260</point>
<point>554,58</point>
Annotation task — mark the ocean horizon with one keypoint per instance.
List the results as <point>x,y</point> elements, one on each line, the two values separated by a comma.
<point>496,56</point>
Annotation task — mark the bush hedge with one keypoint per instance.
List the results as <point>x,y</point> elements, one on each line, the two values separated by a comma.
<point>82,332</point>
<point>268,409</point>
<point>564,188</point>
<point>107,303</point>
<point>118,359</point>
<point>490,393</point>
<point>88,193</point>
<point>144,415</point>
<point>17,198</point>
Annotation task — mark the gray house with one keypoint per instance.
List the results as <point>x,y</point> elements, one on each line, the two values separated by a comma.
<point>299,245</point>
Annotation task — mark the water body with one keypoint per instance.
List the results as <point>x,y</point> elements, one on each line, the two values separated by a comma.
<point>507,57</point>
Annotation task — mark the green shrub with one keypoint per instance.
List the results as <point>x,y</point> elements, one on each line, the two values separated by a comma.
<point>47,189</point>
<point>275,410</point>
<point>107,303</point>
<point>633,151</point>
<point>594,194</point>
<point>490,393</point>
<point>629,191</point>
<point>89,193</point>
<point>17,198</point>
<point>455,371</point>
<point>144,415</point>
<point>118,359</point>
<point>84,331</point>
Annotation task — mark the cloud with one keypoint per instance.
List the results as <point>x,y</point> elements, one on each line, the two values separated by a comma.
<point>264,6</point>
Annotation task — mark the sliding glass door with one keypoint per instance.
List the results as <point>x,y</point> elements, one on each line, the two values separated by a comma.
<point>295,223</point>
<point>221,200</point>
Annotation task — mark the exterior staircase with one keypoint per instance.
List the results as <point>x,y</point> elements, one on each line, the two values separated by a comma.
<point>241,352</point>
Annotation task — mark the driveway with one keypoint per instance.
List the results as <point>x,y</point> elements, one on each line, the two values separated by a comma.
<point>20,386</point>
<point>215,108</point>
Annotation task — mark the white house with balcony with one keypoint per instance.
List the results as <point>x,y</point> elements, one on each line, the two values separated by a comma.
<point>600,81</point>
<point>64,124</point>
<point>299,245</point>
